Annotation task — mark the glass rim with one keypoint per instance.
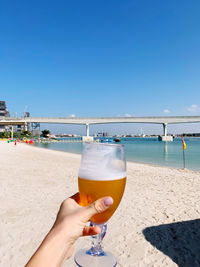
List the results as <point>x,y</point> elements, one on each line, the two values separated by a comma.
<point>103,144</point>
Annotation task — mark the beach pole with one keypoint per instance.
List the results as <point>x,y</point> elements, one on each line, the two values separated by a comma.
<point>184,147</point>
<point>183,158</point>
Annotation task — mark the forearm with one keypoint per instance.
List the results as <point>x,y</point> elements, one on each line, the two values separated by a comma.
<point>53,250</point>
<point>70,224</point>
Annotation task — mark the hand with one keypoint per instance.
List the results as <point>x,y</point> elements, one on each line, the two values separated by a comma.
<point>70,224</point>
<point>73,218</point>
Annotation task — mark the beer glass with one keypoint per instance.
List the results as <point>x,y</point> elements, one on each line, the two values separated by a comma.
<point>102,173</point>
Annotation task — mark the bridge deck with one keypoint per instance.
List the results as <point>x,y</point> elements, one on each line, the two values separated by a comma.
<point>101,120</point>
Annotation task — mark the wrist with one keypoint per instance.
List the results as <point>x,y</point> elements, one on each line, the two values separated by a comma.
<point>58,237</point>
<point>54,249</point>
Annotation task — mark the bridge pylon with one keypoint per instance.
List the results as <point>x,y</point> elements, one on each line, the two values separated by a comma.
<point>165,129</point>
<point>165,137</point>
<point>87,129</point>
<point>87,138</point>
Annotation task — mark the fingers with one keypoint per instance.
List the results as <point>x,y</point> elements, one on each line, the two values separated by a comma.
<point>91,230</point>
<point>96,207</point>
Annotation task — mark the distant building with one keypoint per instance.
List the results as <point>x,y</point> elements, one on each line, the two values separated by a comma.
<point>103,134</point>
<point>106,134</point>
<point>189,135</point>
<point>21,128</point>
<point>27,114</point>
<point>35,132</point>
<point>4,113</point>
<point>3,110</point>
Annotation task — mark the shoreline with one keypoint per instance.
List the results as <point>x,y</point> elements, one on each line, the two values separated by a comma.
<point>157,159</point>
<point>153,225</point>
<point>134,162</point>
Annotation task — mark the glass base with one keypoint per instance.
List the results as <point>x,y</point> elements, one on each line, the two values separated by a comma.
<point>83,258</point>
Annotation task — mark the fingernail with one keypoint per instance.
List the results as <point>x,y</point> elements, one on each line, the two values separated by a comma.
<point>108,201</point>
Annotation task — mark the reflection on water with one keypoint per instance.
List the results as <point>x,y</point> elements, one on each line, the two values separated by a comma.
<point>165,145</point>
<point>148,150</point>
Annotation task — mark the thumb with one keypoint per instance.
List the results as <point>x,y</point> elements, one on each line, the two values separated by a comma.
<point>96,207</point>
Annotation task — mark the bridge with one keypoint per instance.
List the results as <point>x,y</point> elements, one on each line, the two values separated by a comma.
<point>87,121</point>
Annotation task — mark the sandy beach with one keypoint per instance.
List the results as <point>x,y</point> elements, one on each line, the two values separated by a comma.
<point>157,223</point>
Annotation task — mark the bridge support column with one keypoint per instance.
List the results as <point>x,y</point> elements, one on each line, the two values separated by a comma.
<point>87,138</point>
<point>12,130</point>
<point>35,129</point>
<point>87,130</point>
<point>165,137</point>
<point>165,129</point>
<point>25,127</point>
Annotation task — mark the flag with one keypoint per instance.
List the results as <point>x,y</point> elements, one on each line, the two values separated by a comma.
<point>184,144</point>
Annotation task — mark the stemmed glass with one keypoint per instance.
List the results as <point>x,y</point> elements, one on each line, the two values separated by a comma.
<point>102,173</point>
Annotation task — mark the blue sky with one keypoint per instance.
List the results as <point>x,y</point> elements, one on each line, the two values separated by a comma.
<point>101,58</point>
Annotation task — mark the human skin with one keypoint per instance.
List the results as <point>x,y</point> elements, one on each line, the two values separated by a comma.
<point>70,224</point>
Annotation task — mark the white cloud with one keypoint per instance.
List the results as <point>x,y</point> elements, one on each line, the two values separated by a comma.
<point>193,108</point>
<point>127,115</point>
<point>166,111</point>
<point>72,115</point>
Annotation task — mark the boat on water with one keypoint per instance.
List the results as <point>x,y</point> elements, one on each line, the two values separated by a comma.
<point>106,141</point>
<point>117,140</point>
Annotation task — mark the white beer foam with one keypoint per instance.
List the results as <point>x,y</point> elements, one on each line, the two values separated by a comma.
<point>101,164</point>
<point>100,175</point>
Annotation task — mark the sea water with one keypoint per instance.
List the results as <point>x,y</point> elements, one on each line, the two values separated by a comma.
<point>148,150</point>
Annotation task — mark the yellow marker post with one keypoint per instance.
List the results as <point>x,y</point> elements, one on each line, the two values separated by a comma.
<point>184,147</point>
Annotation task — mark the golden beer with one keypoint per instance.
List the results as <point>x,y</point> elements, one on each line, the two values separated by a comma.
<point>91,190</point>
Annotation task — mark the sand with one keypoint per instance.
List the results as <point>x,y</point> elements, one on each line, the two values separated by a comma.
<point>156,224</point>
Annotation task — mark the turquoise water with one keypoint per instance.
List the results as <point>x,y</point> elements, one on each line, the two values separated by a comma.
<point>149,150</point>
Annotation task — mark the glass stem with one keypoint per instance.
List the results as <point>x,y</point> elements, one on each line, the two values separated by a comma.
<point>96,249</point>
